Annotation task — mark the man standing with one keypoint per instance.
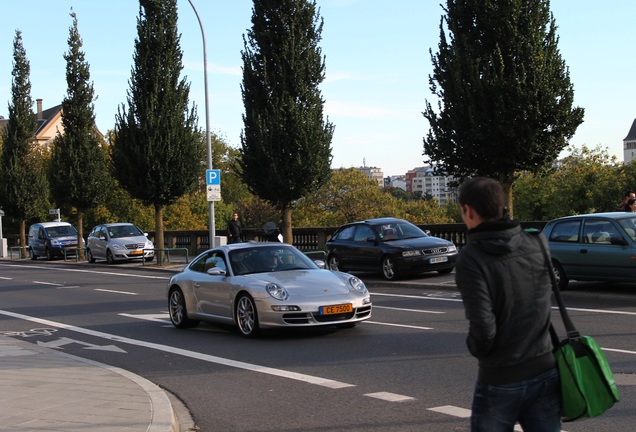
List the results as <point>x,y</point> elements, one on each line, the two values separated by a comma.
<point>234,229</point>
<point>506,290</point>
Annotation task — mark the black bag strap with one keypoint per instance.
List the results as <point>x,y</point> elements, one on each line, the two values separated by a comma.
<point>572,332</point>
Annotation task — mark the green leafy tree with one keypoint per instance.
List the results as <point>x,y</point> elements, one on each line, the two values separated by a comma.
<point>286,142</point>
<point>505,100</point>
<point>348,196</point>
<point>585,181</point>
<point>24,186</point>
<point>78,172</point>
<point>157,148</point>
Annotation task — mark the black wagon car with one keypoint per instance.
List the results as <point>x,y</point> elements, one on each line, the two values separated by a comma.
<point>393,246</point>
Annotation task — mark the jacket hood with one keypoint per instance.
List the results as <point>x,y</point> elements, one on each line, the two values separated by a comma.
<point>496,237</point>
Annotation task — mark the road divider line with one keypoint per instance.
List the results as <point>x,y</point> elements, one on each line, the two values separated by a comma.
<point>408,310</point>
<point>115,291</point>
<point>48,283</point>
<point>398,325</point>
<point>416,297</point>
<point>88,271</point>
<point>310,379</point>
<point>390,397</point>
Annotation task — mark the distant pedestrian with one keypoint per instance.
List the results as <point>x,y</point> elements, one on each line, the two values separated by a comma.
<point>628,195</point>
<point>630,206</point>
<point>506,291</point>
<point>234,230</point>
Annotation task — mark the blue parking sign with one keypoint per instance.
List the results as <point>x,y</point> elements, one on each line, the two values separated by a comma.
<point>213,177</point>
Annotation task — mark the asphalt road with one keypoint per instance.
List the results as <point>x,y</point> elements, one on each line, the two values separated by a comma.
<point>407,369</point>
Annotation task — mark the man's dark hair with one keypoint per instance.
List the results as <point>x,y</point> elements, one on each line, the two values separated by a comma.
<point>628,193</point>
<point>485,195</point>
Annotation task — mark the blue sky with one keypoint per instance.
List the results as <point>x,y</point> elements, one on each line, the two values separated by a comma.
<point>377,66</point>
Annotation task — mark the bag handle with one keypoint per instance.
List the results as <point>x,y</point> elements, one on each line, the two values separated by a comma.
<point>572,332</point>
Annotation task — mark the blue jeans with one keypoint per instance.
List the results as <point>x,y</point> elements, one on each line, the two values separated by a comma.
<point>535,404</point>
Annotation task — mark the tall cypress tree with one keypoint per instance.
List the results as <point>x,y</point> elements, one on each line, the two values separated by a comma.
<point>505,99</point>
<point>79,170</point>
<point>156,152</point>
<point>24,186</point>
<point>286,143</point>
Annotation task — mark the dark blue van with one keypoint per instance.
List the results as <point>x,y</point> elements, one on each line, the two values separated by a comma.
<point>50,239</point>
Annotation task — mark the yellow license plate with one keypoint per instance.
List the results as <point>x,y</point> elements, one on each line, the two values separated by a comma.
<point>336,309</point>
<point>137,252</point>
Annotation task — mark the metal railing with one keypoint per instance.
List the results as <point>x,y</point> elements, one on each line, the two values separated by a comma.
<point>77,250</point>
<point>167,250</point>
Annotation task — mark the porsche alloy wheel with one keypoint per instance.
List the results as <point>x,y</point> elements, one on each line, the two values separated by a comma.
<point>178,311</point>
<point>247,316</point>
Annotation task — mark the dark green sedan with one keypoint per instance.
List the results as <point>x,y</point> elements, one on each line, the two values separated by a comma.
<point>593,247</point>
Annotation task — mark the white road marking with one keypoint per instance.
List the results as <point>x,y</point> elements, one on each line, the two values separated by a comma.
<point>310,379</point>
<point>48,283</point>
<point>416,297</point>
<point>398,325</point>
<point>390,397</point>
<point>452,411</point>
<point>408,310</point>
<point>69,286</point>
<point>162,317</point>
<point>6,278</point>
<point>613,312</point>
<point>116,292</point>
<point>90,271</point>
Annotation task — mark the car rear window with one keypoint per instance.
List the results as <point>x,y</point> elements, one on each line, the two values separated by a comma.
<point>566,231</point>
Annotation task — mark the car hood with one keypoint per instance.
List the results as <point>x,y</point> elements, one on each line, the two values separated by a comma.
<point>306,283</point>
<point>65,238</point>
<point>126,240</point>
<point>420,243</point>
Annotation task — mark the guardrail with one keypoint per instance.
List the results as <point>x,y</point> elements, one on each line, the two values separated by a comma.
<point>167,250</point>
<point>19,248</point>
<point>77,255</point>
<point>322,254</point>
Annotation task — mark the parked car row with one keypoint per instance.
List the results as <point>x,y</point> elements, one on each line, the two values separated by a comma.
<point>111,242</point>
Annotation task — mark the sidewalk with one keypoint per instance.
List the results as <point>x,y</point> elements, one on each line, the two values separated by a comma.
<point>45,390</point>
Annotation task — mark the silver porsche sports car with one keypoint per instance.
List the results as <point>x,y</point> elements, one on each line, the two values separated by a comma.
<point>264,285</point>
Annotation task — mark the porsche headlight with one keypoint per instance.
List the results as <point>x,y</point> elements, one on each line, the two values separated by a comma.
<point>277,291</point>
<point>411,253</point>
<point>357,284</point>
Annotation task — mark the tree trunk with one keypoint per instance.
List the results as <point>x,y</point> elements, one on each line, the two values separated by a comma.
<point>159,234</point>
<point>80,234</point>
<point>23,240</point>
<point>506,181</point>
<point>286,228</point>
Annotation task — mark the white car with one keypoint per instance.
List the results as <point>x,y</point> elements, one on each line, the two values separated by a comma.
<point>118,242</point>
<point>264,285</point>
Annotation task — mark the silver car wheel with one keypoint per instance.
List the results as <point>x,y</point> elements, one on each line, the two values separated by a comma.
<point>178,311</point>
<point>109,257</point>
<point>334,263</point>
<point>90,256</point>
<point>389,268</point>
<point>246,316</point>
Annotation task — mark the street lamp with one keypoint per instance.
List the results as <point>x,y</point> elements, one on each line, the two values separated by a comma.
<point>211,227</point>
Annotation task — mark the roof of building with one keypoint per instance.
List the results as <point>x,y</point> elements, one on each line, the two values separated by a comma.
<point>632,133</point>
<point>47,116</point>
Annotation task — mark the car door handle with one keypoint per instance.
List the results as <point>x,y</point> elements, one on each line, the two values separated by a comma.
<point>196,285</point>
<point>583,251</point>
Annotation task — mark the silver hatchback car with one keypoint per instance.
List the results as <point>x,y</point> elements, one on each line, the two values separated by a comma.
<point>118,242</point>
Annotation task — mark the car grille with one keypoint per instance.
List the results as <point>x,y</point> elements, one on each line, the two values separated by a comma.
<point>134,246</point>
<point>438,250</point>
<point>304,318</point>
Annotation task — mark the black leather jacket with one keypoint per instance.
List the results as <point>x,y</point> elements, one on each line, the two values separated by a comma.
<point>505,286</point>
